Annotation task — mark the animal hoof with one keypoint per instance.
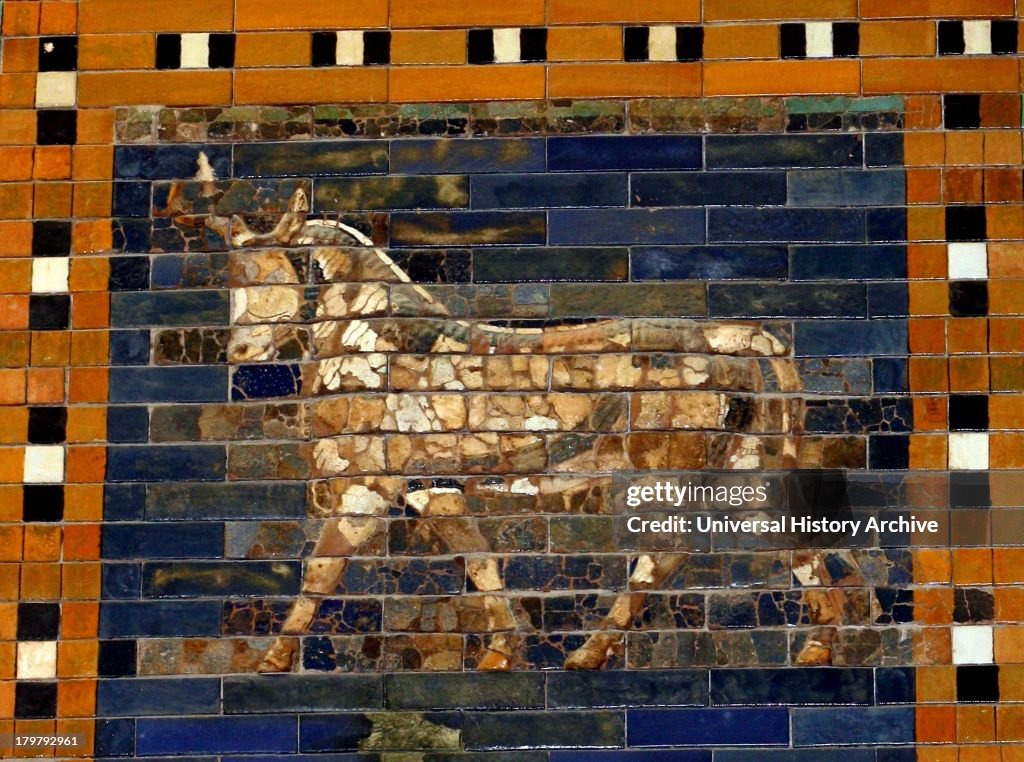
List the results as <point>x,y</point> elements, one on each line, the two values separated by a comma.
<point>279,658</point>
<point>595,652</point>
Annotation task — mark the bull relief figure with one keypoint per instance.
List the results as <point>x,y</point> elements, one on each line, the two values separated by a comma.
<point>397,388</point>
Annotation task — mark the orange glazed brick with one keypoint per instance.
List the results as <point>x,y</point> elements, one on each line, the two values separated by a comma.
<point>928,374</point>
<point>8,622</point>
<point>104,16</point>
<point>930,413</point>
<point>441,46</point>
<point>92,162</point>
<point>77,658</point>
<point>964,147</point>
<point>1000,110</point>
<point>17,128</point>
<point>1003,186</point>
<point>82,541</point>
<point>407,14</point>
<point>939,76</point>
<point>1009,604</point>
<point>14,312</point>
<point>929,297</point>
<point>931,566</point>
<point>595,43</point>
<point>87,424</point>
<point>270,14</point>
<point>747,10</point>
<point>936,724</point>
<point>89,274</point>
<point>14,431</point>
<point>933,605</point>
<point>21,19</point>
<point>90,310</point>
<point>1003,147</point>
<point>59,17</point>
<point>1005,222</point>
<point>21,54</point>
<point>51,348</point>
<point>927,336</point>
<point>79,619</point>
<point>968,374</point>
<point>17,90</point>
<point>52,163</point>
<point>16,163</point>
<point>972,566</point>
<point>83,502</point>
<point>924,149</point>
<point>12,387</point>
<point>1006,334</point>
<point>9,578</point>
<point>95,126</point>
<point>924,186</point>
<point>924,112</point>
<point>15,201</point>
<point>782,78</point>
<point>275,49</point>
<point>935,8</point>
<point>967,335</point>
<point>927,452</point>
<point>1005,297</point>
<point>926,223</point>
<point>962,186</point>
<point>76,698</point>
<point>89,348</point>
<point>92,199</point>
<point>85,466</point>
<point>466,83</point>
<point>1006,411</point>
<point>623,11</point>
<point>1006,450</point>
<point>91,237</point>
<point>1010,723</point>
<point>1006,260</point>
<point>40,582</point>
<point>16,239</point>
<point>116,51</point>
<point>8,661</point>
<point>975,724</point>
<point>87,385</point>
<point>10,543</point>
<point>936,684</point>
<point>169,88</point>
<point>624,80</point>
<point>1009,649</point>
<point>348,85</point>
<point>45,385</point>
<point>897,38</point>
<point>14,347</point>
<point>15,276</point>
<point>741,41</point>
<point>1008,565</point>
<point>42,543</point>
<point>80,581</point>
<point>52,200</point>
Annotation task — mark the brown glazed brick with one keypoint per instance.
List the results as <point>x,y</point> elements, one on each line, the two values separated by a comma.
<point>83,502</point>
<point>416,84</point>
<point>1002,147</point>
<point>939,75</point>
<point>964,148</point>
<point>87,385</point>
<point>1009,603</point>
<point>928,374</point>
<point>45,385</point>
<point>40,582</point>
<point>8,667</point>
<point>1010,723</point>
<point>273,49</point>
<point>255,15</point>
<point>21,18</point>
<point>15,201</point>
<point>12,387</point>
<point>926,260</point>
<point>924,186</point>
<point>598,43</point>
<point>14,347</point>
<point>9,581</point>
<point>440,46</point>
<point>89,274</point>
<point>17,128</point>
<point>962,186</point>
<point>85,465</point>
<point>926,223</point>
<point>936,724</point>
<point>92,199</point>
<point>1005,297</point>
<point>82,541</point>
<point>15,430</point>
<point>1003,186</point>
<point>42,542</point>
<point>113,16</point>
<point>932,566</point>
<point>81,580</point>
<point>95,126</point>
<point>897,38</point>
<point>14,312</point>
<point>17,91</point>
<point>924,149</point>
<point>79,620</point>
<point>1000,110</point>
<point>52,163</point>
<point>744,10</point>
<point>975,724</point>
<point>1005,334</point>
<point>311,86</point>
<point>89,347</point>
<point>1008,565</point>
<point>624,11</point>
<point>176,88</point>
<point>58,17</point>
<point>972,566</point>
<point>967,335</point>
<point>91,237</point>
<point>1006,411</point>
<point>90,310</point>
<point>15,276</point>
<point>935,8</point>
<point>16,238</point>
<point>21,54</point>
<point>86,424</point>
<point>76,698</point>
<point>116,51</point>
<point>1009,653</point>
<point>968,374</point>
<point>11,537</point>
<point>741,41</point>
<point>77,658</point>
<point>406,14</point>
<point>50,349</point>
<point>782,78</point>
<point>929,297</point>
<point>1006,450</point>
<point>928,451</point>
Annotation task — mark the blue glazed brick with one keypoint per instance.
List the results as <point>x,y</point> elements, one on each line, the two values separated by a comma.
<point>169,384</point>
<point>115,738</point>
<point>633,755</point>
<point>485,731</point>
<point>467,228</point>
<point>129,347</point>
<point>739,224</point>
<point>883,149</point>
<point>121,582</point>
<point>257,694</point>
<point>878,262</point>
<point>578,154</point>
<point>434,157</point>
<point>807,685</point>
<point>311,159</point>
<point>539,191</point>
<point>124,502</point>
<point>237,500</point>
<point>710,263</point>
<point>851,338</point>
<point>190,271</point>
<point>852,726</point>
<point>129,274</point>
<point>141,697</point>
<point>896,755</point>
<point>488,690</point>
<point>127,424</point>
<point>159,619</point>
<point>888,300</point>
<point>795,755</point>
<point>192,539</point>
<point>168,162</point>
<point>131,235</point>
<point>531,264</point>
<point>569,690</point>
<point>846,188</point>
<point>346,732</point>
<point>200,463</point>
<point>217,735</point>
<point>353,757</point>
<point>890,375</point>
<point>132,200</point>
<point>896,685</point>
<point>231,578</point>
<point>253,382</point>
<point>625,226</point>
<point>179,308</point>
<point>769,151</point>
<point>787,300</point>
<point>887,225</point>
<point>708,188</point>
<point>711,727</point>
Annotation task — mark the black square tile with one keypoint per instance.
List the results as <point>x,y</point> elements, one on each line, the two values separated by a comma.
<point>117,658</point>
<point>35,701</point>
<point>480,46</point>
<point>51,238</point>
<point>972,605</point>
<point>689,43</point>
<point>49,312</point>
<point>889,453</point>
<point>635,43</point>
<point>42,502</point>
<point>376,48</point>
<point>47,425</point>
<point>533,44</point>
<point>961,112</point>
<point>977,683</point>
<point>951,38</point>
<point>968,412</point>
<point>58,53</point>
<point>56,127</point>
<point>968,298</point>
<point>793,40</point>
<point>168,51</point>
<point>38,621</point>
<point>325,48</point>
<point>969,490</point>
<point>129,273</point>
<point>222,51</point>
<point>966,223</point>
<point>1004,37</point>
<point>846,39</point>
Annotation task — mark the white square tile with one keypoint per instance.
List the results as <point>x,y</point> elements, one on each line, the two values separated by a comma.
<point>978,38</point>
<point>972,644</point>
<point>967,260</point>
<point>349,48</point>
<point>819,39</point>
<point>50,275</point>
<point>506,46</point>
<point>37,660</point>
<point>195,50</point>
<point>56,89</point>
<point>968,451</point>
<point>661,43</point>
<point>44,464</point>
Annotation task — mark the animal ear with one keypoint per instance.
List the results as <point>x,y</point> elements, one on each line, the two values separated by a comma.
<point>299,202</point>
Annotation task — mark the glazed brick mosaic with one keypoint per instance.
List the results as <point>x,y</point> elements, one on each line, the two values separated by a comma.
<point>331,338</point>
